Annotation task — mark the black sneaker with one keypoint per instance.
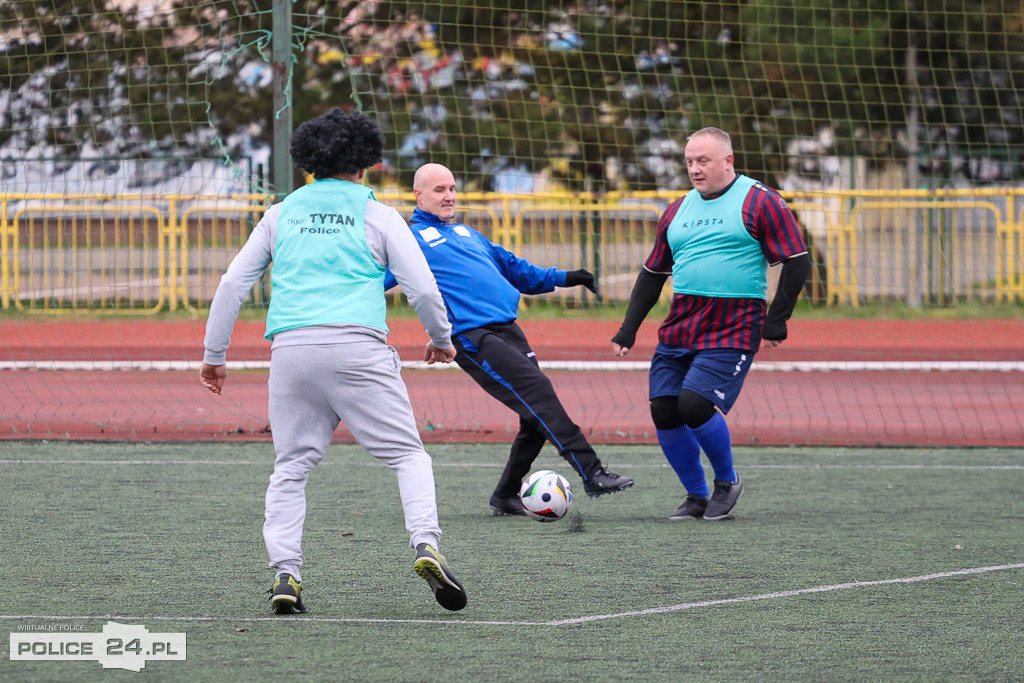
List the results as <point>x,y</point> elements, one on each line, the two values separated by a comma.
<point>692,508</point>
<point>723,499</point>
<point>286,595</point>
<point>512,505</point>
<point>432,566</point>
<point>603,482</point>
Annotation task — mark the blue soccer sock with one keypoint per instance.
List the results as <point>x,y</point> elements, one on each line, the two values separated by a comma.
<point>683,452</point>
<point>713,437</point>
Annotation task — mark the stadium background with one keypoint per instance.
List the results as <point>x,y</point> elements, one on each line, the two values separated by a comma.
<point>141,141</point>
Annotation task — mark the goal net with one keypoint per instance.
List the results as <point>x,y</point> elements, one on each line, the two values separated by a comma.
<point>137,150</point>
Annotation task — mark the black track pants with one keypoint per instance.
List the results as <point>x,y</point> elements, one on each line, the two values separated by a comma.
<point>499,358</point>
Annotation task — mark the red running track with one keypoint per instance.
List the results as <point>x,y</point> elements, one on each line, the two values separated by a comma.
<point>863,408</point>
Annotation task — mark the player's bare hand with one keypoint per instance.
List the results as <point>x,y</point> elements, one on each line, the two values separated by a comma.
<point>435,355</point>
<point>619,350</point>
<point>770,343</point>
<point>212,377</point>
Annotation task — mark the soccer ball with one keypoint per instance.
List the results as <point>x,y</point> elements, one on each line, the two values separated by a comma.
<point>546,496</point>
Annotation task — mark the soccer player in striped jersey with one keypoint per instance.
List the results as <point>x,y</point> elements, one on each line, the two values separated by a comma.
<point>716,242</point>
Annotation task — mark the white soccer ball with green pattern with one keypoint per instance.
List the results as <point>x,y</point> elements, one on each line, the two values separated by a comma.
<point>546,496</point>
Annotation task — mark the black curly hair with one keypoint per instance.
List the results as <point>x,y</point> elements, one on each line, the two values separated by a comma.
<point>337,143</point>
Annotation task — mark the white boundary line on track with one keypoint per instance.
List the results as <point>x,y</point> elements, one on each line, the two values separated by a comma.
<point>111,289</point>
<point>572,365</point>
<point>495,465</point>
<point>554,622</point>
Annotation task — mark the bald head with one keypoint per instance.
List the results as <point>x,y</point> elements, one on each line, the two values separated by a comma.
<point>434,189</point>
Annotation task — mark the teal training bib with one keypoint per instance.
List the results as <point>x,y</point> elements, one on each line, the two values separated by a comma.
<point>323,272</point>
<point>713,254</point>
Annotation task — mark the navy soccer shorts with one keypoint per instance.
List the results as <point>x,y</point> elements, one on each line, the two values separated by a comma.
<point>715,374</point>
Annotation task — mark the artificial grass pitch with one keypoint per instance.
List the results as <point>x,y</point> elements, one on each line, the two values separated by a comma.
<point>169,537</point>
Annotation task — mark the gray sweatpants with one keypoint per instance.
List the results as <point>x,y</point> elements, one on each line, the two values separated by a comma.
<point>311,389</point>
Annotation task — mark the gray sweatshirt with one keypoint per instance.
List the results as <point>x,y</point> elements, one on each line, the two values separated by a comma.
<point>391,244</point>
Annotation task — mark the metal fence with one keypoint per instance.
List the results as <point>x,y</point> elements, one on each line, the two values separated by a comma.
<point>143,254</point>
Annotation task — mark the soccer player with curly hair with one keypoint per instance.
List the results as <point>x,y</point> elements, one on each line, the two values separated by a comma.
<point>716,242</point>
<point>330,242</point>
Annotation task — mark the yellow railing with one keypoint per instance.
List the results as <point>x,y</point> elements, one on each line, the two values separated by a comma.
<point>142,254</point>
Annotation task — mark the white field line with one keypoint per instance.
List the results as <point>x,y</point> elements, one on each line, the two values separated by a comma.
<point>554,622</point>
<point>469,465</point>
<point>574,365</point>
<point>787,594</point>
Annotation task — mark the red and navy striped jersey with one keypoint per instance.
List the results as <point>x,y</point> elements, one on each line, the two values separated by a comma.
<point>702,322</point>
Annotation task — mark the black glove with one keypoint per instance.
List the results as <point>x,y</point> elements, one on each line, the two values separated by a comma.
<point>791,281</point>
<point>574,278</point>
<point>774,330</point>
<point>624,338</point>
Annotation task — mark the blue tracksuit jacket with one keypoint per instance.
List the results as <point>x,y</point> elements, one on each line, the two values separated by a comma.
<point>480,281</point>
